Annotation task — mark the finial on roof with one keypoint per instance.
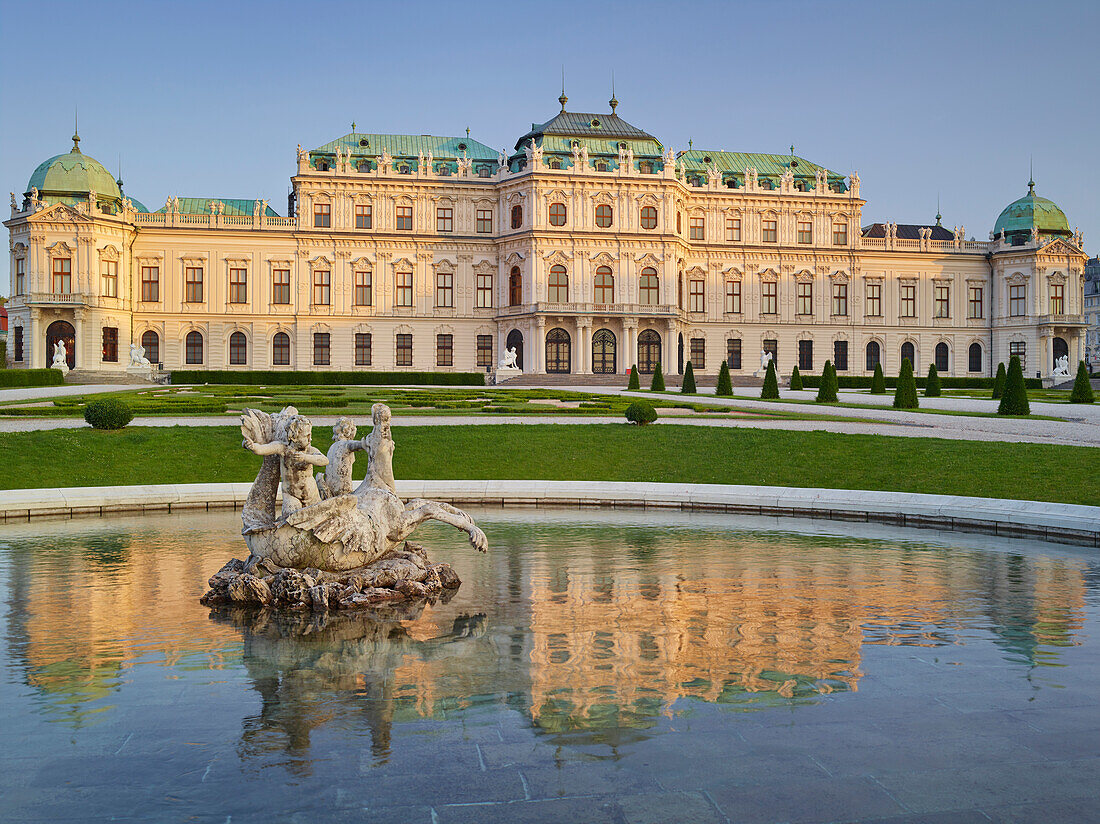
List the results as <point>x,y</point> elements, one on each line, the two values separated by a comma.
<point>1031,180</point>
<point>119,180</point>
<point>563,99</point>
<point>353,127</point>
<point>76,132</point>
<point>467,132</point>
<point>939,217</point>
<point>613,102</point>
<point>689,144</point>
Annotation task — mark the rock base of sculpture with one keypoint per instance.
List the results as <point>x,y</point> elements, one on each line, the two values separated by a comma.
<point>402,576</point>
<point>63,368</point>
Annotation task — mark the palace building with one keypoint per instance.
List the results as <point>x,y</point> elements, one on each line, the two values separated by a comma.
<point>590,248</point>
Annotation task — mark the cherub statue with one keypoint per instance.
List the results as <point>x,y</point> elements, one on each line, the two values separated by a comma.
<point>336,479</point>
<point>297,457</point>
<point>379,445</point>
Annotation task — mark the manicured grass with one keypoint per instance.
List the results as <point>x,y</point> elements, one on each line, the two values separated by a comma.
<point>146,455</point>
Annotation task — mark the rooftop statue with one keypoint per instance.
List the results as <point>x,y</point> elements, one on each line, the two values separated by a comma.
<point>328,546</point>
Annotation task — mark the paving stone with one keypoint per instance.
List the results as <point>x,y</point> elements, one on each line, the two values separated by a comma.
<point>666,808</point>
<point>556,811</point>
<point>788,798</point>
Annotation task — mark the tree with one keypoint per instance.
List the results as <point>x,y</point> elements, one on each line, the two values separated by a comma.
<point>658,382</point>
<point>687,386</point>
<point>634,382</point>
<point>999,381</point>
<point>725,385</point>
<point>796,379</point>
<point>878,381</point>
<point>1082,389</point>
<point>905,396</point>
<point>771,385</point>
<point>1014,399</point>
<point>641,413</point>
<point>932,382</point>
<point>826,390</point>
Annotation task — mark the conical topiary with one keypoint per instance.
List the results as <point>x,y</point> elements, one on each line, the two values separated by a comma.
<point>1082,389</point>
<point>999,381</point>
<point>658,382</point>
<point>687,386</point>
<point>932,382</point>
<point>634,383</point>
<point>905,396</point>
<point>771,385</point>
<point>878,381</point>
<point>796,379</point>
<point>1014,399</point>
<point>725,385</point>
<point>826,391</point>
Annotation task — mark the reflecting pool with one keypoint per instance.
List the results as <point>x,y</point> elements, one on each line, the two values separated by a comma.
<point>594,667</point>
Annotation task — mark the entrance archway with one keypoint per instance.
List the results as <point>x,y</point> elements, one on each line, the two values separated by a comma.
<point>558,352</point>
<point>515,341</point>
<point>1061,350</point>
<point>61,330</point>
<point>649,351</point>
<point>603,352</point>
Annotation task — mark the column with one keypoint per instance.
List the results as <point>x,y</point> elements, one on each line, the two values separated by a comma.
<point>668,359</point>
<point>630,342</point>
<point>584,333</point>
<point>33,344</point>
<point>539,341</point>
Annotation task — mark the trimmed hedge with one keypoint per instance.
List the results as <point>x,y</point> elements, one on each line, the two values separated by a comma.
<point>1082,389</point>
<point>864,382</point>
<point>878,381</point>
<point>999,381</point>
<point>31,377</point>
<point>725,385</point>
<point>108,413</point>
<point>328,378</point>
<point>641,413</point>
<point>1014,399</point>
<point>658,382</point>
<point>932,382</point>
<point>796,379</point>
<point>634,382</point>
<point>770,389</point>
<point>687,386</point>
<point>826,393</point>
<point>905,396</point>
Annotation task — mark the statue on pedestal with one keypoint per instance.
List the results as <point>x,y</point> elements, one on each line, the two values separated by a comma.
<point>60,358</point>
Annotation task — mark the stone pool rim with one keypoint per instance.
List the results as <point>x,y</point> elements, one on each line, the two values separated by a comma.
<point>1072,524</point>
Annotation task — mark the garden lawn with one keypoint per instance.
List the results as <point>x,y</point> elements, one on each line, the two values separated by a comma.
<point>151,455</point>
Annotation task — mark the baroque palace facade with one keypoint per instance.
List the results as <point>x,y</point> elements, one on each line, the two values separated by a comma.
<point>590,248</point>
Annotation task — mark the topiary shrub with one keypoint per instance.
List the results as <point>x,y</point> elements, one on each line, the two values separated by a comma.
<point>658,382</point>
<point>108,413</point>
<point>826,393</point>
<point>687,387</point>
<point>878,381</point>
<point>770,390</point>
<point>3,354</point>
<point>796,379</point>
<point>905,396</point>
<point>932,383</point>
<point>634,383</point>
<point>1014,399</point>
<point>1082,389</point>
<point>999,381</point>
<point>725,385</point>
<point>641,413</point>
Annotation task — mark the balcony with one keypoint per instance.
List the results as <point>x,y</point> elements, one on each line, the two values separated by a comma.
<point>1065,321</point>
<point>629,310</point>
<point>57,299</point>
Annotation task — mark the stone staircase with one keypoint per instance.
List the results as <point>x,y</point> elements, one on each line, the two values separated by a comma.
<point>671,381</point>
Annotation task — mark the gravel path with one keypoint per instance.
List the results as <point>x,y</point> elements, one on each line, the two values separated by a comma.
<point>34,393</point>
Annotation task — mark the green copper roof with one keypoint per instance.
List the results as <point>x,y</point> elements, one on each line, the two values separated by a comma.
<point>408,145</point>
<point>233,206</point>
<point>73,173</point>
<point>607,127</point>
<point>766,165</point>
<point>1032,211</point>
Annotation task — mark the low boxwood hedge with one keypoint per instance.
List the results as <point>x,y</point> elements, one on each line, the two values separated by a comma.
<point>180,376</point>
<point>31,377</point>
<point>864,382</point>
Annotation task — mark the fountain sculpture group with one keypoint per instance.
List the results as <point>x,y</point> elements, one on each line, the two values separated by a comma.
<point>329,545</point>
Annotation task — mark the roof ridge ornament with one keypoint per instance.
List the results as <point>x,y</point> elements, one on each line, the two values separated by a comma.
<point>76,132</point>
<point>613,102</point>
<point>563,99</point>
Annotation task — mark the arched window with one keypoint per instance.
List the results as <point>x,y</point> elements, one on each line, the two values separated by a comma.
<point>605,285</point>
<point>515,287</point>
<point>975,358</point>
<point>151,341</point>
<point>193,347</point>
<point>558,354</point>
<point>280,349</point>
<point>648,287</point>
<point>649,217</point>
<point>238,349</point>
<point>909,353</point>
<point>649,351</point>
<point>559,285</point>
<point>942,357</point>
<point>517,217</point>
<point>557,214</point>
<point>603,216</point>
<point>874,356</point>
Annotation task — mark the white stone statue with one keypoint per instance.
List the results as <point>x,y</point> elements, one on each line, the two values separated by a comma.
<point>1061,367</point>
<point>509,359</point>
<point>60,358</point>
<point>137,357</point>
<point>14,205</point>
<point>336,479</point>
<point>502,161</point>
<point>765,358</point>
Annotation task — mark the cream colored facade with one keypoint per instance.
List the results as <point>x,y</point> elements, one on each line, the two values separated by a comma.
<point>720,277</point>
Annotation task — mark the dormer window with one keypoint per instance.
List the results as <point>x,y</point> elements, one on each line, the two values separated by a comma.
<point>554,163</point>
<point>595,124</point>
<point>645,167</point>
<point>364,166</point>
<point>601,165</point>
<point>484,171</point>
<point>800,185</point>
<point>444,170</point>
<point>404,169</point>
<point>322,165</point>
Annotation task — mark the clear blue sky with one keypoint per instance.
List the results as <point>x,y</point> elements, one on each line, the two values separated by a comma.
<point>923,99</point>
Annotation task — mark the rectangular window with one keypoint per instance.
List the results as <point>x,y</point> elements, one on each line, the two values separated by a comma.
<point>18,347</point>
<point>110,278</point>
<point>805,231</point>
<point>238,286</point>
<point>840,234</point>
<point>696,230</point>
<point>110,344</point>
<point>840,355</point>
<point>362,348</point>
<point>444,289</point>
<point>322,215</point>
<point>363,296</point>
<point>484,350</point>
<point>974,302</point>
<point>908,300</point>
<point>942,295</point>
<point>444,219</point>
<point>444,350</point>
<point>404,295</point>
<point>20,276</point>
<point>280,286</point>
<point>322,287</point>
<point>404,350</point>
<point>874,300</point>
<point>806,355</point>
<point>192,284</point>
<point>62,276</point>
<point>1019,349</point>
<point>1057,299</point>
<point>1017,300</point>
<point>840,299</point>
<point>698,354</point>
<point>769,298</point>
<point>320,348</point>
<point>733,296</point>
<point>733,229</point>
<point>769,231</point>
<point>805,299</point>
<point>733,353</point>
<point>772,346</point>
<point>484,221</point>
<point>696,300</point>
<point>150,284</point>
<point>404,218</point>
<point>483,299</point>
<point>363,216</point>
